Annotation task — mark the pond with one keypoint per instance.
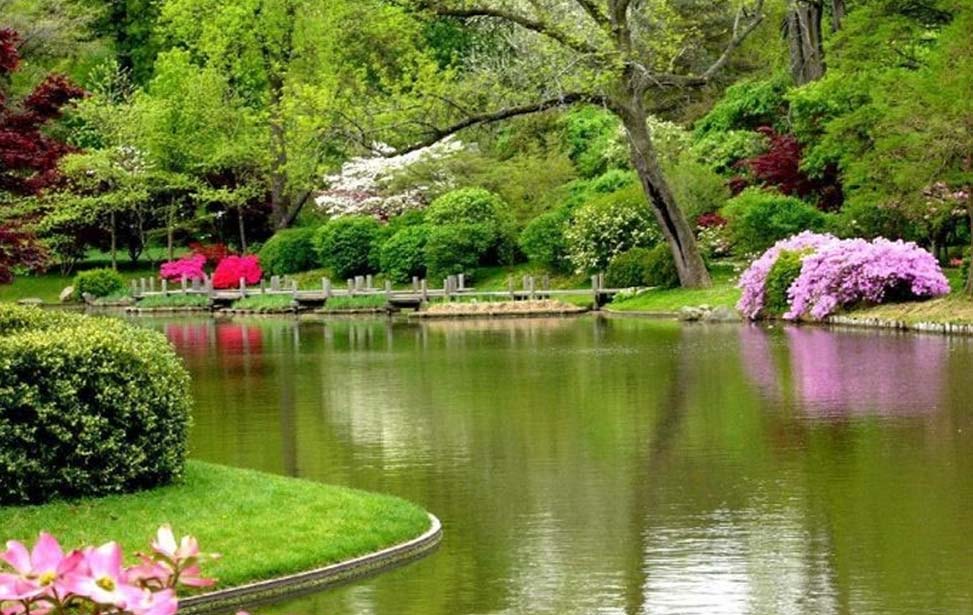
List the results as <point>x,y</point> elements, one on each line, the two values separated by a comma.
<point>598,465</point>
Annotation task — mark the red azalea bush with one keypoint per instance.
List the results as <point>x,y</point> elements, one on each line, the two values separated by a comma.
<point>190,267</point>
<point>232,268</point>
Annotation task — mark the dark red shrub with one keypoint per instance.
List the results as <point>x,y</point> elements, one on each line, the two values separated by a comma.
<point>19,248</point>
<point>212,252</point>
<point>710,220</point>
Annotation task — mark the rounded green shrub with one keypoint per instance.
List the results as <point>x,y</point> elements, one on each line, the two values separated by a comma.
<point>456,248</point>
<point>628,269</point>
<point>101,407</point>
<point>759,218</point>
<point>542,240</point>
<point>403,254</point>
<point>660,269</point>
<point>467,206</point>
<point>780,277</point>
<point>347,245</point>
<point>609,225</point>
<point>289,251</point>
<point>98,283</point>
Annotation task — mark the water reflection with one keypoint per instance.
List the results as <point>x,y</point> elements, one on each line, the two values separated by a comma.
<point>835,374</point>
<point>602,466</point>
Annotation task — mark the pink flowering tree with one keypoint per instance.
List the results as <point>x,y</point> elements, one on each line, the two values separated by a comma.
<point>836,273</point>
<point>47,580</point>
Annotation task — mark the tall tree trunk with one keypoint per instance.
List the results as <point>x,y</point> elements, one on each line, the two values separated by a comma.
<point>675,227</point>
<point>114,242</point>
<point>242,228</point>
<point>838,11</point>
<point>803,29</point>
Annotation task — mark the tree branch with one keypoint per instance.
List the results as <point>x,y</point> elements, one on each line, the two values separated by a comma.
<point>595,13</point>
<point>540,27</point>
<point>438,134</point>
<point>753,16</point>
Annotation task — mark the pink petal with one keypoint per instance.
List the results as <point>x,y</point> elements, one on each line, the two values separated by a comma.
<point>47,554</point>
<point>17,556</point>
<point>106,561</point>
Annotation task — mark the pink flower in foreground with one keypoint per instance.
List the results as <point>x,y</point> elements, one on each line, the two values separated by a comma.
<point>101,578</point>
<point>44,565</point>
<point>146,602</point>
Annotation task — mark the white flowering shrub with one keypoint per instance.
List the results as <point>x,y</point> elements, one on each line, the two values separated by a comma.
<point>608,225</point>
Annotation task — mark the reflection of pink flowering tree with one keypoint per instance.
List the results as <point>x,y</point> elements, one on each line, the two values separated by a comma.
<point>836,373</point>
<point>46,580</point>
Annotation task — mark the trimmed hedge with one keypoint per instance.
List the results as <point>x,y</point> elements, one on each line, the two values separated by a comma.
<point>403,254</point>
<point>101,407</point>
<point>98,283</point>
<point>759,218</point>
<point>779,279</point>
<point>660,268</point>
<point>289,251</point>
<point>628,269</point>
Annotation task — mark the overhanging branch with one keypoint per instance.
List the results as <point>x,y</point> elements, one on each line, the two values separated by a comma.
<point>438,134</point>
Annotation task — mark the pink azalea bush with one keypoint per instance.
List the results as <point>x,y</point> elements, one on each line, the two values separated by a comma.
<point>190,266</point>
<point>839,272</point>
<point>754,280</point>
<point>232,268</point>
<point>46,580</point>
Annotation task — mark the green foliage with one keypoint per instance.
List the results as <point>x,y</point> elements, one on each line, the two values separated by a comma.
<point>594,141</point>
<point>759,218</point>
<point>403,254</point>
<point>289,251</point>
<point>780,277</point>
<point>366,302</point>
<point>864,218</point>
<point>745,106</point>
<point>468,227</point>
<point>265,303</point>
<point>608,225</point>
<point>543,242</point>
<point>98,283</point>
<point>698,189</point>
<point>347,245</point>
<point>99,407</point>
<point>720,151</point>
<point>628,269</point>
<point>660,268</point>
<point>176,300</point>
<point>458,248</point>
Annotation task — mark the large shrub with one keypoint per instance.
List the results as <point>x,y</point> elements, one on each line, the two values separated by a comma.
<point>779,279</point>
<point>456,248</point>
<point>542,240</point>
<point>628,269</point>
<point>101,407</point>
<point>836,273</point>
<point>403,254</point>
<point>347,245</point>
<point>660,268</point>
<point>233,268</point>
<point>758,218</point>
<point>468,227</point>
<point>289,251</point>
<point>609,225</point>
<point>98,283</point>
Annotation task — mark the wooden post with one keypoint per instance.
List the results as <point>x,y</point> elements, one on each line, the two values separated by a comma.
<point>183,281</point>
<point>359,283</point>
<point>415,284</point>
<point>195,284</point>
<point>208,284</point>
<point>326,287</point>
<point>446,288</point>
<point>462,281</point>
<point>275,282</point>
<point>368,282</point>
<point>510,288</point>
<point>531,280</point>
<point>152,284</point>
<point>142,286</point>
<point>243,288</point>
<point>351,287</point>
<point>294,289</point>
<point>388,291</point>
<point>263,286</point>
<point>601,281</point>
<point>135,288</point>
<point>425,290</point>
<point>165,287</point>
<point>594,290</point>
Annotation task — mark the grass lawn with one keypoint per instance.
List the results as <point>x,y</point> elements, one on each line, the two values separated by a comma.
<point>953,308</point>
<point>265,302</point>
<point>723,292</point>
<point>174,301</point>
<point>263,525</point>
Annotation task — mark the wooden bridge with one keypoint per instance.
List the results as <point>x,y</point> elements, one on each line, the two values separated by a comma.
<point>453,289</point>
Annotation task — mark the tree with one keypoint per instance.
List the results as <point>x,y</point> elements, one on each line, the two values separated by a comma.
<point>629,57</point>
<point>28,156</point>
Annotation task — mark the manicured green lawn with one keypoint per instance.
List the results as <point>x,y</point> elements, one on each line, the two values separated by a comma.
<point>263,525</point>
<point>954,308</point>
<point>173,301</point>
<point>265,302</point>
<point>723,293</point>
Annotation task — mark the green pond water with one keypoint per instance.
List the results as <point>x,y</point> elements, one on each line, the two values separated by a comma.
<point>600,465</point>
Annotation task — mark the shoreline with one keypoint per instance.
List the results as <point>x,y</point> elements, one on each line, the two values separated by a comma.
<point>318,579</point>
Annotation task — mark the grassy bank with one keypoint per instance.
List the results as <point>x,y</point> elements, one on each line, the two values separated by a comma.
<point>723,293</point>
<point>955,308</point>
<point>263,525</point>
